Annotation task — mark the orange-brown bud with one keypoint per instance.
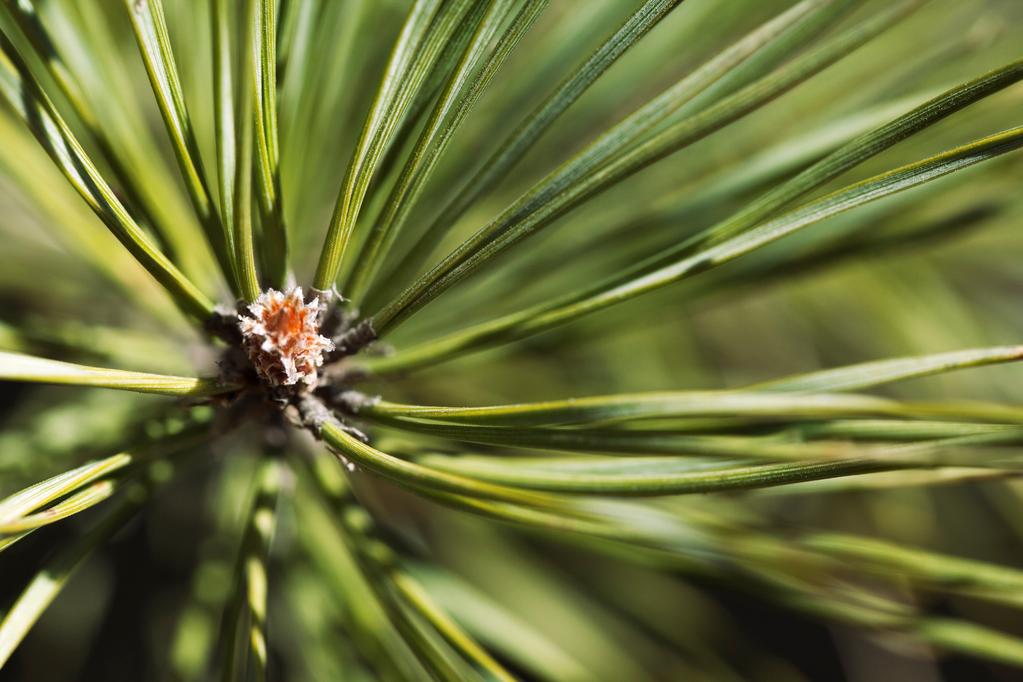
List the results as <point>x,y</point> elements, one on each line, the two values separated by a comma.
<point>283,337</point>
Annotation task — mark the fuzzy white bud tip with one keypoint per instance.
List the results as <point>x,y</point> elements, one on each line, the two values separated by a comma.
<point>282,337</point>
